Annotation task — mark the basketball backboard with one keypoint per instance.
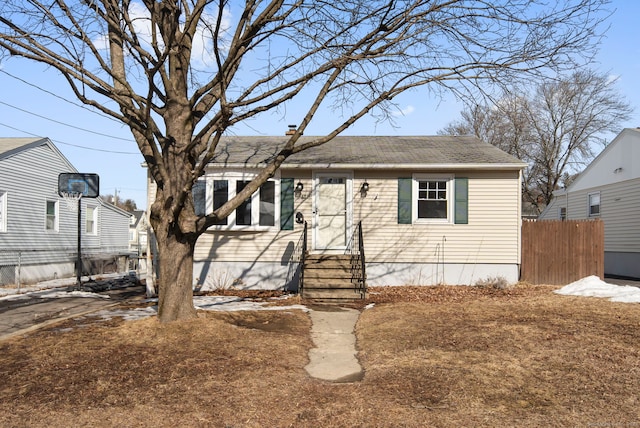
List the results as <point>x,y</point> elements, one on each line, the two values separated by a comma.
<point>75,183</point>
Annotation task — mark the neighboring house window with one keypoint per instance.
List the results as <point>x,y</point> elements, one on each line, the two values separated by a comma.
<point>132,220</point>
<point>433,198</point>
<point>132,235</point>
<point>562,213</point>
<point>594,204</point>
<point>3,211</point>
<point>91,225</point>
<point>51,222</point>
<point>261,210</point>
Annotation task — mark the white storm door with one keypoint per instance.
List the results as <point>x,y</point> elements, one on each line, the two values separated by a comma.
<point>332,210</point>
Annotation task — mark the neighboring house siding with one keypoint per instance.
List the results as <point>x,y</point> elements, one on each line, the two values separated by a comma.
<point>613,178</point>
<point>41,253</point>
<point>114,236</point>
<point>619,204</point>
<point>27,196</point>
<point>619,210</point>
<point>552,211</point>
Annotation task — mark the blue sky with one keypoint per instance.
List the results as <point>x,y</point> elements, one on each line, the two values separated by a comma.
<point>94,143</point>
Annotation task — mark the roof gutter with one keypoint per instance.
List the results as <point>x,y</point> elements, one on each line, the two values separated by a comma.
<point>456,166</point>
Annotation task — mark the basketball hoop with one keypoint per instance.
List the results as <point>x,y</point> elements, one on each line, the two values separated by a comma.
<point>71,199</point>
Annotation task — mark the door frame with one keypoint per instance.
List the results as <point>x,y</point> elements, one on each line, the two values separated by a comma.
<point>348,176</point>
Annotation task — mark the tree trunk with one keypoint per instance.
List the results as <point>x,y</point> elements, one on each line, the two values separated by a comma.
<point>175,289</point>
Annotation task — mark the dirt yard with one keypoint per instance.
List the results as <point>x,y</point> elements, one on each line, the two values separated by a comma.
<point>433,356</point>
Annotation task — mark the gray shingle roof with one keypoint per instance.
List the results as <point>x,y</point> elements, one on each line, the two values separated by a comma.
<point>362,151</point>
<point>9,146</point>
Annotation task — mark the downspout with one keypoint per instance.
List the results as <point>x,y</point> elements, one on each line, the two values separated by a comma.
<point>519,232</point>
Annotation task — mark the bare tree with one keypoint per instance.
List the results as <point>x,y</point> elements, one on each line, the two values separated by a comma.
<point>147,59</point>
<point>556,129</point>
<point>128,205</point>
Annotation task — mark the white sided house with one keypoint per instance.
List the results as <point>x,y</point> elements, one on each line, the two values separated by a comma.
<point>38,233</point>
<point>608,189</point>
<point>432,210</point>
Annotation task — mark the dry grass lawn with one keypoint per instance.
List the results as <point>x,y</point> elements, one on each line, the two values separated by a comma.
<point>433,356</point>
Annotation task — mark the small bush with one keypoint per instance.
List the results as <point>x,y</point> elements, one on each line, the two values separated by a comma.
<point>497,282</point>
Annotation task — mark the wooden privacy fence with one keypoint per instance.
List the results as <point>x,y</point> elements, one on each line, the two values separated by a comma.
<point>559,252</point>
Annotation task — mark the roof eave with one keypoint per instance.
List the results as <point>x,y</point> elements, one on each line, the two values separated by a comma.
<point>457,166</point>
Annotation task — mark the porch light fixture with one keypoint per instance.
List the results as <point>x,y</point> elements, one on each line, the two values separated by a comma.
<point>364,188</point>
<point>299,187</point>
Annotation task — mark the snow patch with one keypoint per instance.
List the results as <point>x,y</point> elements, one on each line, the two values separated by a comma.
<point>592,286</point>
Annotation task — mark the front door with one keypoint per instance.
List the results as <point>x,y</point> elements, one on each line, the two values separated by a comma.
<point>332,220</point>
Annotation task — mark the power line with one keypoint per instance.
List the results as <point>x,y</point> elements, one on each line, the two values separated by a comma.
<point>72,145</point>
<point>65,124</point>
<point>62,123</point>
<point>58,96</point>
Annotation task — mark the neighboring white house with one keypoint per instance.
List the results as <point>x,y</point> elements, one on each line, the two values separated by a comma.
<point>38,233</point>
<point>609,189</point>
<point>434,210</point>
<point>138,232</point>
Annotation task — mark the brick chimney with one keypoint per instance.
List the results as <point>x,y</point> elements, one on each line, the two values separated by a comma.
<point>292,130</point>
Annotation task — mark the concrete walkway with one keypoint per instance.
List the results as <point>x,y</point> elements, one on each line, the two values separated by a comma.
<point>333,334</point>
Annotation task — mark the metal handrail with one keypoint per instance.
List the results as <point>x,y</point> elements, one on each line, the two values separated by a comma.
<point>297,259</point>
<point>363,284</point>
<point>303,257</point>
<point>356,249</point>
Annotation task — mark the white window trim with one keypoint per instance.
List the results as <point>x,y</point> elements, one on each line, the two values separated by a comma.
<point>560,213</point>
<point>242,175</point>
<point>56,223</point>
<point>589,195</point>
<point>3,210</point>
<point>449,178</point>
<point>94,232</point>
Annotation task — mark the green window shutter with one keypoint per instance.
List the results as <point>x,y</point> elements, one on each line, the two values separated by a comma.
<point>286,204</point>
<point>404,200</point>
<point>462,201</point>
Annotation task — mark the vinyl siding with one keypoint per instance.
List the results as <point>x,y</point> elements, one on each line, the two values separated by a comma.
<point>552,211</point>
<point>271,245</point>
<point>619,204</point>
<point>26,203</point>
<point>492,235</point>
<point>113,226</point>
<point>27,195</point>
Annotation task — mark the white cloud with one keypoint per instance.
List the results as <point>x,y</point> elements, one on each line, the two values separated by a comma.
<point>202,54</point>
<point>405,111</point>
<point>612,78</point>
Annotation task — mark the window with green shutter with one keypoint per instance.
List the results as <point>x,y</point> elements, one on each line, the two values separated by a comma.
<point>433,198</point>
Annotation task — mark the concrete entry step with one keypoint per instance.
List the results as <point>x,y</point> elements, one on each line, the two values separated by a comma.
<point>329,278</point>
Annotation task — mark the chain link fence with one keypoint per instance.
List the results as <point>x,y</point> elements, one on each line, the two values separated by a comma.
<point>24,267</point>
